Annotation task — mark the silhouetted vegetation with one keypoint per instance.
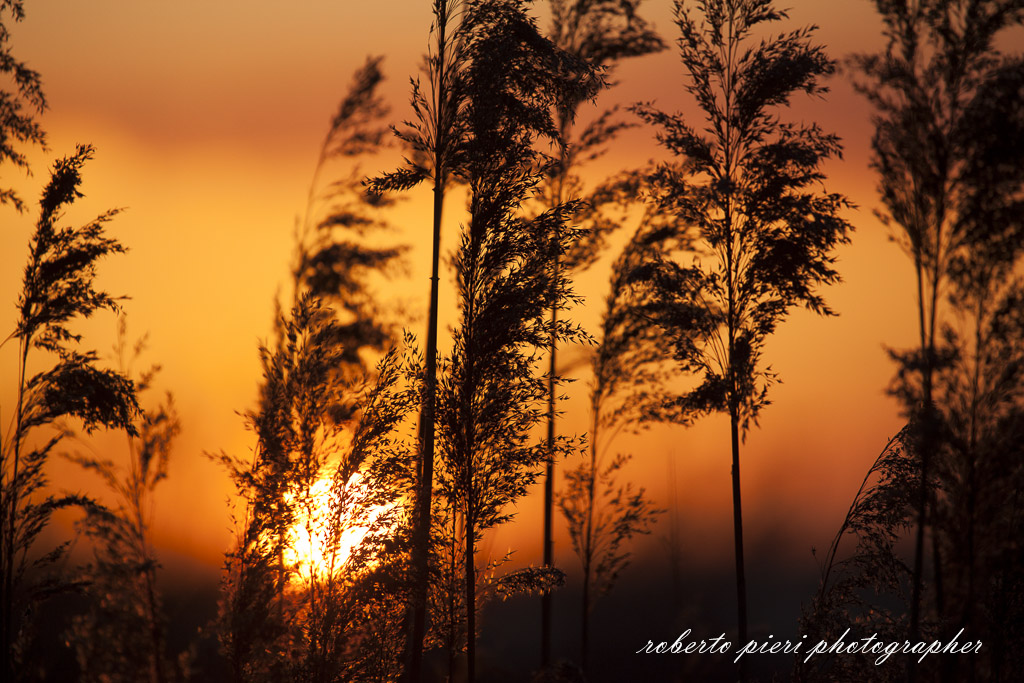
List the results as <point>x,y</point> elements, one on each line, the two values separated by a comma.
<point>57,290</point>
<point>321,551</point>
<point>871,585</point>
<point>335,258</point>
<point>745,182</point>
<point>928,88</point>
<point>490,390</point>
<point>365,514</point>
<point>18,109</point>
<point>949,131</point>
<point>298,604</point>
<point>629,370</point>
<point>601,33</point>
<point>122,637</point>
<point>435,139</point>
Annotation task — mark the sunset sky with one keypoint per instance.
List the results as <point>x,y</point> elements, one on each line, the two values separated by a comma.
<point>207,118</point>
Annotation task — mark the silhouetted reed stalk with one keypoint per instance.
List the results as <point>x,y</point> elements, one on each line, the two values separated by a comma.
<point>628,368</point>
<point>17,109</point>
<point>871,584</point>
<point>435,138</point>
<point>329,475</point>
<point>331,619</point>
<point>334,259</point>
<point>600,33</point>
<point>18,126</point>
<point>746,182</point>
<point>490,394</point>
<point>984,419</point>
<point>441,124</point>
<point>57,290</point>
<point>938,74</point>
<point>444,139</point>
<point>122,636</point>
<point>830,556</point>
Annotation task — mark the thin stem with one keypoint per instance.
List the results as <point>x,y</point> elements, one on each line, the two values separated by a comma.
<point>588,537</point>
<point>737,512</point>
<point>17,437</point>
<point>549,479</point>
<point>421,533</point>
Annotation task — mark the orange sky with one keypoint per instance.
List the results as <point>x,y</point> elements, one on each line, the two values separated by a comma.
<point>207,119</point>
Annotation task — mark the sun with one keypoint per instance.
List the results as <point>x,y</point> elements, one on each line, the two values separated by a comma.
<point>308,552</point>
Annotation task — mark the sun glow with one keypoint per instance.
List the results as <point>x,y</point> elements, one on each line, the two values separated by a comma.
<point>310,551</point>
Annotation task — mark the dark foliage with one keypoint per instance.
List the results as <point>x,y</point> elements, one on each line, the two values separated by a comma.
<point>309,591</point>
<point>436,135</point>
<point>630,373</point>
<point>336,258</point>
<point>490,393</point>
<point>122,636</point>
<point>435,139</point>
<point>869,589</point>
<point>57,290</point>
<point>947,148</point>
<point>18,108</point>
<point>312,589</point>
<point>747,183</point>
<point>467,115</point>
<point>600,33</point>
<point>747,186</point>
